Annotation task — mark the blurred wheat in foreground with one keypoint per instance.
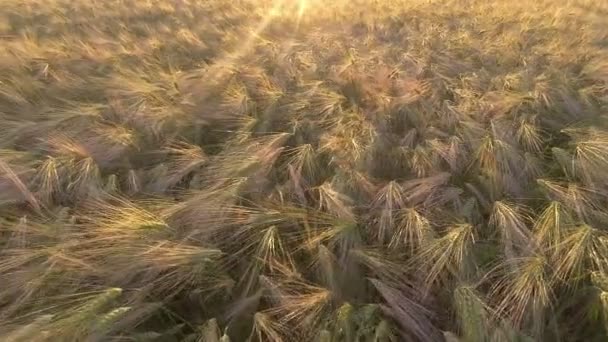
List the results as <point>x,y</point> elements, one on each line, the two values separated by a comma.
<point>303,170</point>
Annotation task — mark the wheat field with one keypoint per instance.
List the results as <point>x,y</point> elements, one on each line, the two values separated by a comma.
<point>303,170</point>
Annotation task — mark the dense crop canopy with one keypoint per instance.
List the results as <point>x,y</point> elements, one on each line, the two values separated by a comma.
<point>257,170</point>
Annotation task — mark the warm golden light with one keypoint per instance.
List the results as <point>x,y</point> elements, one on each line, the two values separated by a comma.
<point>302,6</point>
<point>303,170</point>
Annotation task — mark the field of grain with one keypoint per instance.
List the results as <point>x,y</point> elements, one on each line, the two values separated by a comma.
<point>303,170</point>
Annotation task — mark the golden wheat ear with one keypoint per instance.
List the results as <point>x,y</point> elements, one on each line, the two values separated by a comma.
<point>334,202</point>
<point>501,163</point>
<point>268,250</point>
<point>47,180</point>
<point>78,322</point>
<point>86,179</point>
<point>388,201</point>
<point>583,202</point>
<point>422,161</point>
<point>303,306</point>
<point>447,255</point>
<point>253,159</point>
<point>413,231</point>
<point>512,225</point>
<point>304,161</point>
<point>591,157</point>
<point>581,247</point>
<point>183,158</point>
<point>453,152</point>
<point>265,328</point>
<point>529,136</point>
<point>74,116</point>
<point>14,188</point>
<point>325,103</point>
<point>425,191</point>
<point>109,144</point>
<point>551,226</point>
<point>118,215</point>
<point>348,138</point>
<point>523,291</point>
